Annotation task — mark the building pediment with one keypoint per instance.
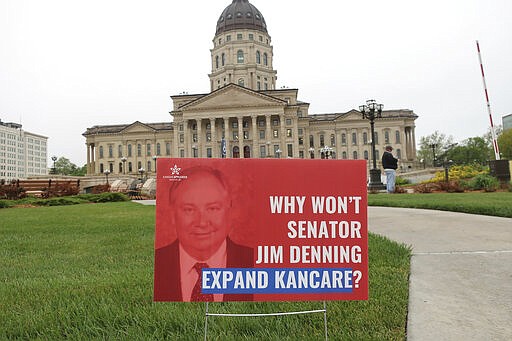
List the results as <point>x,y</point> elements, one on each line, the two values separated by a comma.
<point>232,96</point>
<point>137,127</point>
<point>352,115</point>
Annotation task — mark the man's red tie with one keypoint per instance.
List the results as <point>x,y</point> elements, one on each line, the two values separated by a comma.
<point>196,292</point>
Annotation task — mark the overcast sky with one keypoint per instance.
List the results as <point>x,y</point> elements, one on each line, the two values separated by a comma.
<point>66,65</point>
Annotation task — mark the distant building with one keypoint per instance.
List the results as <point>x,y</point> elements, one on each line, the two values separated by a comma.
<point>245,115</point>
<point>507,122</point>
<point>22,154</point>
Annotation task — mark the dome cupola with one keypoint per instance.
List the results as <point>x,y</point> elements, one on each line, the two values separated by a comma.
<point>241,15</point>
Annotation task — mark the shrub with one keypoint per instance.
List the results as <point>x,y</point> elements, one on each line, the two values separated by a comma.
<point>453,186</point>
<point>486,182</point>
<point>460,172</point>
<point>399,190</point>
<point>423,188</point>
<point>11,192</point>
<point>100,189</point>
<point>399,181</point>
<point>104,197</point>
<point>63,189</point>
<point>5,204</point>
<point>60,201</point>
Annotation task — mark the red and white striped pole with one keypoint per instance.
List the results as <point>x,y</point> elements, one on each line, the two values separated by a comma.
<point>493,133</point>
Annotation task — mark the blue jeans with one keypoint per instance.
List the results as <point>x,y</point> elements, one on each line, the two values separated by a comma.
<point>390,180</point>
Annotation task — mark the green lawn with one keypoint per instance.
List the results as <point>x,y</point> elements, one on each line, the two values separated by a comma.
<point>495,203</point>
<point>86,272</point>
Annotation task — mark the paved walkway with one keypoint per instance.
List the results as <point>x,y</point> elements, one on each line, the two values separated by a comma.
<point>461,272</point>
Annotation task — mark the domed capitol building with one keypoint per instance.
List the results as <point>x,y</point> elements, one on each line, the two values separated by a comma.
<point>245,115</point>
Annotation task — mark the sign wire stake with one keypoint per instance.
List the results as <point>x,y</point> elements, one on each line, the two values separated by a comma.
<point>207,313</point>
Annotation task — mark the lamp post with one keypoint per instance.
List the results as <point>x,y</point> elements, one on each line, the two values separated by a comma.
<point>106,172</point>
<point>446,165</point>
<point>327,151</point>
<point>371,111</point>
<point>278,153</point>
<point>54,158</point>
<point>312,152</point>
<point>123,159</point>
<point>154,159</point>
<point>433,146</point>
<point>141,171</point>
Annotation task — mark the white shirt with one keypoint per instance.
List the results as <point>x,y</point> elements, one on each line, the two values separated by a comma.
<point>189,275</point>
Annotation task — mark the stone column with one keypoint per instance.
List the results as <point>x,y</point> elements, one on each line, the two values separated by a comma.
<point>268,133</point>
<point>214,138</point>
<point>255,136</point>
<point>282,138</point>
<point>226,136</point>
<point>175,147</point>
<point>88,158</point>
<point>295,137</point>
<point>199,139</point>
<point>186,138</point>
<point>241,136</point>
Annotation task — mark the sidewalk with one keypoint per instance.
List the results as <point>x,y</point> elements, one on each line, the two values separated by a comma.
<point>461,272</point>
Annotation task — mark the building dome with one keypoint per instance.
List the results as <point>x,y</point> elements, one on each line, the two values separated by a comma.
<point>241,15</point>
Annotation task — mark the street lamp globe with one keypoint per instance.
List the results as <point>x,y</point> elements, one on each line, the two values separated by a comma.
<point>371,111</point>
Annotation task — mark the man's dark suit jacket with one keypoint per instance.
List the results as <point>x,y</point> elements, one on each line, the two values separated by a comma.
<point>167,270</point>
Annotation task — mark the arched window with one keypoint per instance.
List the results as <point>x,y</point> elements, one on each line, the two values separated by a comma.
<point>139,150</point>
<point>129,150</point>
<point>101,152</point>
<point>354,138</point>
<point>149,166</point>
<point>110,151</point>
<point>344,155</point>
<point>236,152</point>
<point>223,59</point>
<point>398,154</point>
<point>333,140</point>
<point>366,155</point>
<point>265,59</point>
<point>258,57</point>
<point>397,136</point>
<point>376,138</point>
<point>130,168</point>
<point>343,139</point>
<point>386,136</point>
<point>119,151</point>
<point>322,141</point>
<point>240,56</point>
<point>217,62</point>
<point>354,155</point>
<point>158,150</point>
<point>241,82</point>
<point>365,137</point>
<point>101,168</point>
<point>120,167</point>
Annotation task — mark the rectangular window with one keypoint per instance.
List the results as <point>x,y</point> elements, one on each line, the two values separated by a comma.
<point>301,131</point>
<point>235,135</point>
<point>251,36</point>
<point>245,124</point>
<point>208,152</point>
<point>194,137</point>
<point>288,133</point>
<point>301,154</point>
<point>110,151</point>
<point>322,141</point>
<point>139,150</point>
<point>263,152</point>
<point>182,152</point>
<point>261,123</point>
<point>182,138</point>
<point>343,139</point>
<point>290,150</point>
<point>262,134</point>
<point>239,36</point>
<point>234,124</point>
<point>246,135</point>
<point>158,149</point>
<point>167,148</point>
<point>209,137</point>
<point>288,121</point>
<point>119,151</point>
<point>301,141</point>
<point>275,133</point>
<point>148,149</point>
<point>275,122</point>
<point>228,38</point>
<point>354,138</point>
<point>180,127</point>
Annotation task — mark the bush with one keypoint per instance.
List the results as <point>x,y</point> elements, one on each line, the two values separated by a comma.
<point>460,172</point>
<point>486,182</point>
<point>5,204</point>
<point>453,186</point>
<point>399,181</point>
<point>423,188</point>
<point>11,192</point>
<point>104,197</point>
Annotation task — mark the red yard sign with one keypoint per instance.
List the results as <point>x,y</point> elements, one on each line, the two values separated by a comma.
<point>261,230</point>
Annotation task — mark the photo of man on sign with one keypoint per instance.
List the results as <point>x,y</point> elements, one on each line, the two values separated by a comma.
<point>200,210</point>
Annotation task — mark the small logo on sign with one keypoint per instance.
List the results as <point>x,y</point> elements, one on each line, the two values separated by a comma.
<point>175,170</point>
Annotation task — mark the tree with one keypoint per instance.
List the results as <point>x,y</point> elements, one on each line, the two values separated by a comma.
<point>471,150</point>
<point>505,144</point>
<point>436,143</point>
<point>65,167</point>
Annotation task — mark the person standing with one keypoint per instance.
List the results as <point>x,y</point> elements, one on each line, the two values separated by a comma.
<point>390,164</point>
